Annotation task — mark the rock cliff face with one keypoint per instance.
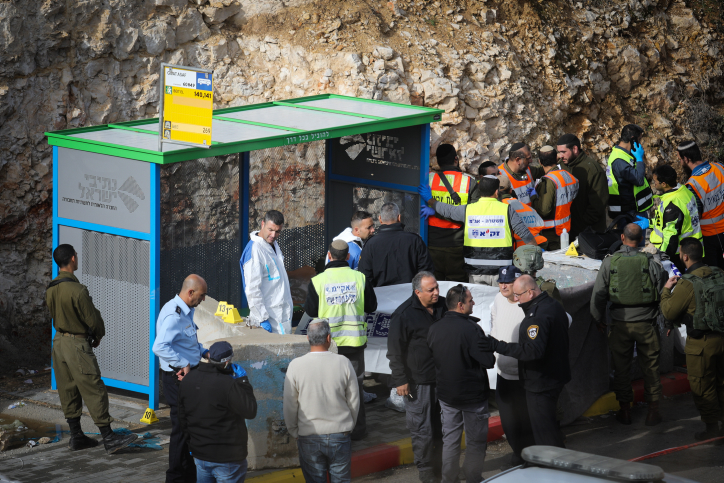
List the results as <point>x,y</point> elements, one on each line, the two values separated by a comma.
<point>503,71</point>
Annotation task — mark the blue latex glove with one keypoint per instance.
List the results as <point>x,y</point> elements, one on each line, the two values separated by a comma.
<point>532,192</point>
<point>238,371</point>
<point>266,326</point>
<point>542,250</point>
<point>637,151</point>
<point>425,192</point>
<point>642,222</point>
<point>426,212</point>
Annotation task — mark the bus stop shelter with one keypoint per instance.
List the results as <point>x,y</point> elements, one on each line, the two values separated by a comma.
<point>142,219</point>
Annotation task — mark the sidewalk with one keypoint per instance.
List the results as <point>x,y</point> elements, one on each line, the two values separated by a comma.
<point>397,453</point>
<point>386,446</point>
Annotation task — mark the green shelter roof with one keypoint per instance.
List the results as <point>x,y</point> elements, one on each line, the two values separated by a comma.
<point>248,128</point>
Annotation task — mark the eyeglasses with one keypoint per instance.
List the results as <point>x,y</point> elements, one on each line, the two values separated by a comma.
<point>519,295</point>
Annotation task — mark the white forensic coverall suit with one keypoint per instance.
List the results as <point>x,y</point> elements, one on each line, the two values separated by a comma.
<point>266,285</point>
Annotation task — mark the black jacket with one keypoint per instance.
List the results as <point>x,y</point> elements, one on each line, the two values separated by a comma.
<point>311,306</point>
<point>462,354</point>
<point>394,256</point>
<point>542,352</point>
<point>410,357</point>
<point>212,407</point>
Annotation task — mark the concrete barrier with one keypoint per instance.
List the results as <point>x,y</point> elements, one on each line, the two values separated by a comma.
<point>265,357</point>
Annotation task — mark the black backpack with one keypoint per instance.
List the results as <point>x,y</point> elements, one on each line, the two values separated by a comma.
<point>598,245</point>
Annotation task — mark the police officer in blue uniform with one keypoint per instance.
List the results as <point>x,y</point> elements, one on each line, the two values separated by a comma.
<point>179,351</point>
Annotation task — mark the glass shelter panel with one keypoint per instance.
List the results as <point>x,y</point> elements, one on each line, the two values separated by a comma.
<point>290,179</point>
<point>200,226</point>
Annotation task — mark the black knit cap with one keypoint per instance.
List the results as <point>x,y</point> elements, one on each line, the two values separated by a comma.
<point>445,154</point>
<point>569,139</point>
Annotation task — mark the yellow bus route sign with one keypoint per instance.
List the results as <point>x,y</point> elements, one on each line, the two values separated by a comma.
<point>187,104</point>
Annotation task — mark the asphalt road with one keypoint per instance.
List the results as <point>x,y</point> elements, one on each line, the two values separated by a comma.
<point>605,436</point>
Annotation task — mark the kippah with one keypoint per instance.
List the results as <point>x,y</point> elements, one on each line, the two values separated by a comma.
<point>568,139</point>
<point>445,152</point>
<point>517,146</point>
<point>340,245</point>
<point>686,145</point>
<point>547,149</point>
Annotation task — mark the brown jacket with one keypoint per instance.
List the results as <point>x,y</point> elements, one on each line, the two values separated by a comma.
<point>589,207</point>
<point>72,309</point>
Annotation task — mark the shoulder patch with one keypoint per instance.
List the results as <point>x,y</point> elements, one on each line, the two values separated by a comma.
<point>178,310</point>
<point>532,332</point>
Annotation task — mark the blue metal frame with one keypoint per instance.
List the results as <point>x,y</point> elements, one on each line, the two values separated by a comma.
<point>424,169</point>
<point>54,267</point>
<point>154,286</point>
<point>327,197</point>
<point>154,238</point>
<point>244,215</point>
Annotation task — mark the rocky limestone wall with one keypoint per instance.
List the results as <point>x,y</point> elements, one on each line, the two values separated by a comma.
<point>503,71</point>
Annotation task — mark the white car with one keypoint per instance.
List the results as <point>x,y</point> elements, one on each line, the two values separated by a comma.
<point>204,82</point>
<point>548,464</point>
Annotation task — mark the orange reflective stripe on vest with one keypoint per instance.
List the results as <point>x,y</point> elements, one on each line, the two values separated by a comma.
<point>530,217</point>
<point>460,183</point>
<point>709,187</point>
<point>566,191</point>
<point>520,188</point>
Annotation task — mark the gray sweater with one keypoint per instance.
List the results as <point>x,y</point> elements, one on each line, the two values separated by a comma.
<point>320,395</point>
<point>457,213</point>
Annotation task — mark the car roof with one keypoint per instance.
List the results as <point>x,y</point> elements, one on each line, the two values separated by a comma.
<point>537,474</point>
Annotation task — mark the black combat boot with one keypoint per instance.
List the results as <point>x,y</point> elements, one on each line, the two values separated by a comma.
<point>623,415</point>
<point>115,441</point>
<point>78,440</point>
<point>654,416</point>
<point>711,431</point>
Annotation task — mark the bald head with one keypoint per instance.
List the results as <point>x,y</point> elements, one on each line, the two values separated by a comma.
<point>193,290</point>
<point>525,289</point>
<point>632,235</point>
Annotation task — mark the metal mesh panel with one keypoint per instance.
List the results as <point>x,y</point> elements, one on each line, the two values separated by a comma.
<point>290,179</point>
<point>200,226</point>
<point>116,272</point>
<point>372,199</point>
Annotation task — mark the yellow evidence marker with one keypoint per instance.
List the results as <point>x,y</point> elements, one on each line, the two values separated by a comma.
<point>572,252</point>
<point>149,417</point>
<point>228,313</point>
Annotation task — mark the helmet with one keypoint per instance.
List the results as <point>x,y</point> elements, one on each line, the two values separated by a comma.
<point>528,258</point>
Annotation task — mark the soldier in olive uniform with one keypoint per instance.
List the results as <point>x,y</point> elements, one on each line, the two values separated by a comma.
<point>79,328</point>
<point>529,259</point>
<point>704,331</point>
<point>632,281</point>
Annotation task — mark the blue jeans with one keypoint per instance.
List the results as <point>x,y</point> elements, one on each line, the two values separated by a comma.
<point>208,472</point>
<point>319,453</point>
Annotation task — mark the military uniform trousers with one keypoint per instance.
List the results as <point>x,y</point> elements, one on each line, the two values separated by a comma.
<point>449,263</point>
<point>621,340</point>
<point>705,365</point>
<point>79,379</point>
<point>425,425</point>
